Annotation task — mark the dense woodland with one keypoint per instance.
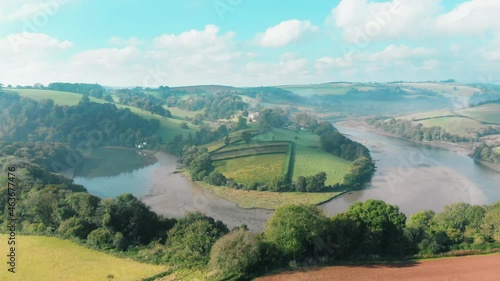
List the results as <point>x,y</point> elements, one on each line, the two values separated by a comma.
<point>94,90</point>
<point>54,157</point>
<point>86,124</point>
<point>296,235</point>
<point>139,99</point>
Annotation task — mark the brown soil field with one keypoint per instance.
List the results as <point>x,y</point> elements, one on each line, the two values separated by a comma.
<point>470,268</point>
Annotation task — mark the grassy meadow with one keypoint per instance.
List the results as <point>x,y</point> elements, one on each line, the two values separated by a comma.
<point>454,125</point>
<point>258,168</point>
<point>169,127</point>
<point>49,259</point>
<point>59,97</point>
<point>485,113</point>
<point>310,159</point>
<point>462,122</point>
<point>325,89</point>
<point>180,114</point>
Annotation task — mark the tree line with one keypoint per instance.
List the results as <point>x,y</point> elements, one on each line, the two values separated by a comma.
<point>296,235</point>
<point>407,129</point>
<point>94,90</point>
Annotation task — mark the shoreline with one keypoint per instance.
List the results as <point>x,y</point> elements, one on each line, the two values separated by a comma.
<point>455,147</point>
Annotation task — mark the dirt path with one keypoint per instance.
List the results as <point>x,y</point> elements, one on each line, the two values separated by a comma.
<point>471,268</point>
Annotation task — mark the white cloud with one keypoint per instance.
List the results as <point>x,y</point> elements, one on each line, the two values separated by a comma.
<point>194,39</point>
<point>285,33</point>
<point>32,10</point>
<point>363,21</point>
<point>470,18</point>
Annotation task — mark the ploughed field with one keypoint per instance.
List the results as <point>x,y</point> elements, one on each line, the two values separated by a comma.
<point>470,268</point>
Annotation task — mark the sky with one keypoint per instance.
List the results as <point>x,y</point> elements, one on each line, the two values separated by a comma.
<point>149,43</point>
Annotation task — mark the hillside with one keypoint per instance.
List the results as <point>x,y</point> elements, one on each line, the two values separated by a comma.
<point>169,127</point>
<point>48,259</point>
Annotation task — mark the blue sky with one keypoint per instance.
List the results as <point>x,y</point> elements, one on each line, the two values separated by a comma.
<point>247,43</point>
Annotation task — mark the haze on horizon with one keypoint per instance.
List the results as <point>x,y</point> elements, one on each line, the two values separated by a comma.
<point>247,43</point>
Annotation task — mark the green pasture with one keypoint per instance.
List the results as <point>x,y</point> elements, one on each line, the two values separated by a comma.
<point>310,159</point>
<point>178,113</point>
<point>257,168</point>
<point>454,125</point>
<point>49,259</point>
<point>486,113</point>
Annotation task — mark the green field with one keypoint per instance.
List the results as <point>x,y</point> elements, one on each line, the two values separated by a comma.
<point>462,122</point>
<point>169,128</point>
<point>486,113</point>
<point>50,259</point>
<point>59,97</point>
<point>180,114</point>
<point>258,168</point>
<point>325,89</point>
<point>236,152</point>
<point>310,159</point>
<point>454,125</point>
<point>243,162</point>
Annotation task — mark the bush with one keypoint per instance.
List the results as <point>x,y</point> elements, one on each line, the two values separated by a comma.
<point>235,253</point>
<point>192,238</point>
<point>216,178</point>
<point>101,238</point>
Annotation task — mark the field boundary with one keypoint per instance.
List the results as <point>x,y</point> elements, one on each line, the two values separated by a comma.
<point>289,162</point>
<point>253,150</point>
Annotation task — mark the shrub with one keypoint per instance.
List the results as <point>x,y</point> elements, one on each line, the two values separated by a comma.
<point>101,238</point>
<point>191,239</point>
<point>235,253</point>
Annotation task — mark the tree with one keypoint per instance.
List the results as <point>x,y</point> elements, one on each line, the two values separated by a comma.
<point>192,238</point>
<point>226,140</point>
<point>242,123</point>
<point>490,227</point>
<point>294,229</point>
<point>85,99</point>
<point>108,97</point>
<point>184,125</point>
<point>235,253</point>
<point>382,227</point>
<point>216,178</point>
<point>246,136</point>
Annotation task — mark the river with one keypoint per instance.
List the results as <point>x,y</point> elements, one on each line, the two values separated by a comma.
<point>411,175</point>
